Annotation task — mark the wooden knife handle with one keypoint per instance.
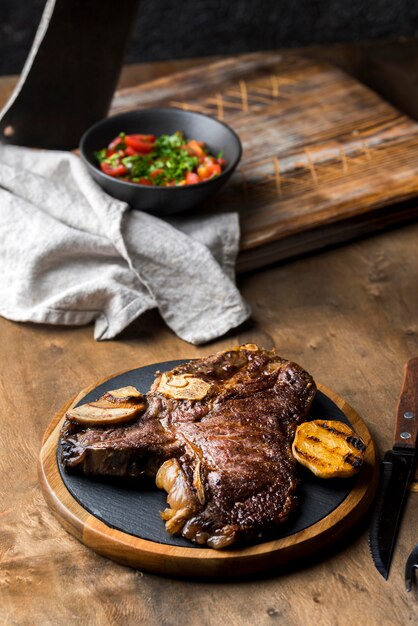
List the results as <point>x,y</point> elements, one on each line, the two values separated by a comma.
<point>406,426</point>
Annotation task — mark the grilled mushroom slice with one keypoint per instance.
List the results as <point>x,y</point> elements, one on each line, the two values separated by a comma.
<point>183,387</point>
<point>114,407</point>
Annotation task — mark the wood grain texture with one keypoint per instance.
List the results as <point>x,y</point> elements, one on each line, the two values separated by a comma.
<point>320,150</point>
<point>204,563</point>
<point>349,315</point>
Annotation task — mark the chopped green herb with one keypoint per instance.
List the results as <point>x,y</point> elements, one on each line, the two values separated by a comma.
<point>100,155</point>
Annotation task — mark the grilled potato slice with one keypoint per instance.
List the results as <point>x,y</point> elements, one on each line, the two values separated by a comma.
<point>329,448</point>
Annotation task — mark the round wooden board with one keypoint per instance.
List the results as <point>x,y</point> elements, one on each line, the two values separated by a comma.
<point>174,560</point>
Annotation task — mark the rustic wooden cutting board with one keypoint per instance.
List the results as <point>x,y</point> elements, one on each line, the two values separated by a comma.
<point>325,158</point>
<point>121,520</point>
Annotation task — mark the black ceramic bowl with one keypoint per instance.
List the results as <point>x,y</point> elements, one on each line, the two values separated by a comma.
<point>162,200</point>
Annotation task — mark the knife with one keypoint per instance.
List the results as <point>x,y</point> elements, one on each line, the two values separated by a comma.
<point>396,470</point>
<point>70,74</point>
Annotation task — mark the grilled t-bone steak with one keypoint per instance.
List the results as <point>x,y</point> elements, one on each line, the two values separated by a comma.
<point>216,433</point>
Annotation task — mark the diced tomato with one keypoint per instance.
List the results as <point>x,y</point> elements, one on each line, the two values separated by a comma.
<point>147,138</point>
<point>192,178</point>
<point>156,173</point>
<point>113,170</point>
<point>116,143</point>
<point>221,162</point>
<point>130,151</point>
<point>145,181</point>
<point>203,171</point>
<point>121,151</point>
<point>208,170</point>
<point>193,147</point>
<point>140,147</point>
<point>142,144</point>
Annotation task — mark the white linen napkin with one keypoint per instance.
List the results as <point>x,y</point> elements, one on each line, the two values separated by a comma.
<point>71,254</point>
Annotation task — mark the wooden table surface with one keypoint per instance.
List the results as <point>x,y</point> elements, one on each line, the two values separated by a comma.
<point>349,315</point>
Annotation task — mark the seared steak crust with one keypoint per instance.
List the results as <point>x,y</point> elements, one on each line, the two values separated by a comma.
<point>225,459</point>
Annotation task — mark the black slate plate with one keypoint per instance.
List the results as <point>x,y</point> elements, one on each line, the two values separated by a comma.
<point>133,507</point>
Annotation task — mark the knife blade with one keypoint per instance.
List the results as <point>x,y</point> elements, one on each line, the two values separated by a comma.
<point>70,74</point>
<point>396,471</point>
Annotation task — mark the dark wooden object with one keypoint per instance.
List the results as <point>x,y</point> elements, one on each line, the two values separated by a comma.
<point>325,158</point>
<point>71,72</point>
<point>102,519</point>
<point>406,422</point>
<point>388,66</point>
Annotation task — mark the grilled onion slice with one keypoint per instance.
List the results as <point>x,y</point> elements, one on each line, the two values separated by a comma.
<point>181,500</point>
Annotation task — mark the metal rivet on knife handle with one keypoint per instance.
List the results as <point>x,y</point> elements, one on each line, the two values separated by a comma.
<point>406,435</point>
<point>409,415</point>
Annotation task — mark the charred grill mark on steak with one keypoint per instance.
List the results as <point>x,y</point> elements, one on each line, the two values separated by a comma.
<point>225,460</point>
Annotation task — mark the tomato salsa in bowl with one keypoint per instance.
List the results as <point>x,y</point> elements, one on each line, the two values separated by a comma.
<point>162,161</point>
